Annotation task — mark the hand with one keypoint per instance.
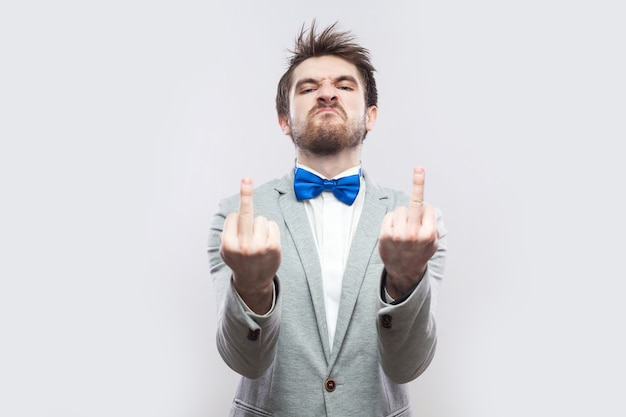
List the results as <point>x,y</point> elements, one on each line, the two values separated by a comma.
<point>408,239</point>
<point>251,248</point>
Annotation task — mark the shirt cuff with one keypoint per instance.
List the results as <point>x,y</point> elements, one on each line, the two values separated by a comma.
<point>386,297</point>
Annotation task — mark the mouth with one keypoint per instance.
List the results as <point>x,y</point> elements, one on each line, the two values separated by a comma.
<point>328,110</point>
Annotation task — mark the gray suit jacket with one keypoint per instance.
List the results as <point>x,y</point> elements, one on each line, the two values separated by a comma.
<point>284,357</point>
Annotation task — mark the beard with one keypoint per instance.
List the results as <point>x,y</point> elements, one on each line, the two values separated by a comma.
<point>323,136</point>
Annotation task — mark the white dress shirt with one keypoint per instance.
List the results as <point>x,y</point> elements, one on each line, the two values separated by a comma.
<point>333,224</point>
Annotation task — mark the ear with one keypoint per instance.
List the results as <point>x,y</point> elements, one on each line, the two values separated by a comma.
<point>370,117</point>
<point>284,125</point>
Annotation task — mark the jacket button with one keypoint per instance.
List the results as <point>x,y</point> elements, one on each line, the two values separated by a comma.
<point>254,334</point>
<point>330,385</point>
<point>385,321</point>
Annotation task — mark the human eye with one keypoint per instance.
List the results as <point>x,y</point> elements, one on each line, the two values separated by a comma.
<point>306,86</point>
<point>307,90</point>
<point>345,85</point>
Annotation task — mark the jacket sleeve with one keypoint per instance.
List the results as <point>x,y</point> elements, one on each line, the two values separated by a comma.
<point>245,340</point>
<point>407,334</point>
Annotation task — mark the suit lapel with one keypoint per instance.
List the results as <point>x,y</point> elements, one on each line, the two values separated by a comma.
<point>363,245</point>
<point>297,223</point>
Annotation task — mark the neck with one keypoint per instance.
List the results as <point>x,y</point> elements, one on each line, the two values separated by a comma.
<point>330,165</point>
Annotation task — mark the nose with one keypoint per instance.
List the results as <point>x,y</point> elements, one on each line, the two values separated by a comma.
<point>326,93</point>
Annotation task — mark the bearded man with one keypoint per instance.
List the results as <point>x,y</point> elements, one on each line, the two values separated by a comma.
<point>326,298</point>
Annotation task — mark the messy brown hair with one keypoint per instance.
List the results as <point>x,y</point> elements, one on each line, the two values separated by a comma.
<point>309,44</point>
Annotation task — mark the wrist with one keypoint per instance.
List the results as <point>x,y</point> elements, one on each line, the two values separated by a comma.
<point>259,299</point>
<point>397,285</point>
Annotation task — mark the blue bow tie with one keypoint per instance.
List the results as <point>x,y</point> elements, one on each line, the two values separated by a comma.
<point>308,185</point>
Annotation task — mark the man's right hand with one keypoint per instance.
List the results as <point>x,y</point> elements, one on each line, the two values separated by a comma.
<point>251,248</point>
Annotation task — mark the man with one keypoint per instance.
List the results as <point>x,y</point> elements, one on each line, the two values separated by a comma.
<point>326,299</point>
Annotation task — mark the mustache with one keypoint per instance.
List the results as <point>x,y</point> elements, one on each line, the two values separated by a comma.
<point>335,106</point>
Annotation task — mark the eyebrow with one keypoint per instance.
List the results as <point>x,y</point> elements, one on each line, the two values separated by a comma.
<point>341,78</point>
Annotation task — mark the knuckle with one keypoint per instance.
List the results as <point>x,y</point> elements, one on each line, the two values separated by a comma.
<point>227,243</point>
<point>430,235</point>
<point>398,237</point>
<point>261,222</point>
<point>245,248</point>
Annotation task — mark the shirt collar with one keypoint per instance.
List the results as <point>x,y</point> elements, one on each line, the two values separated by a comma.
<point>355,170</point>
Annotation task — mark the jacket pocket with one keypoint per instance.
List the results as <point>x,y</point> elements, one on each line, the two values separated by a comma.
<point>403,412</point>
<point>243,409</point>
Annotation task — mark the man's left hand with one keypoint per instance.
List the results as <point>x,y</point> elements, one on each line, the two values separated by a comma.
<point>408,239</point>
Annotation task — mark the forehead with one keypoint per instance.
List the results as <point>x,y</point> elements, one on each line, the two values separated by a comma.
<point>323,67</point>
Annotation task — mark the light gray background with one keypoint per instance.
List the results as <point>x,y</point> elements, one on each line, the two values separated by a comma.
<point>123,122</point>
